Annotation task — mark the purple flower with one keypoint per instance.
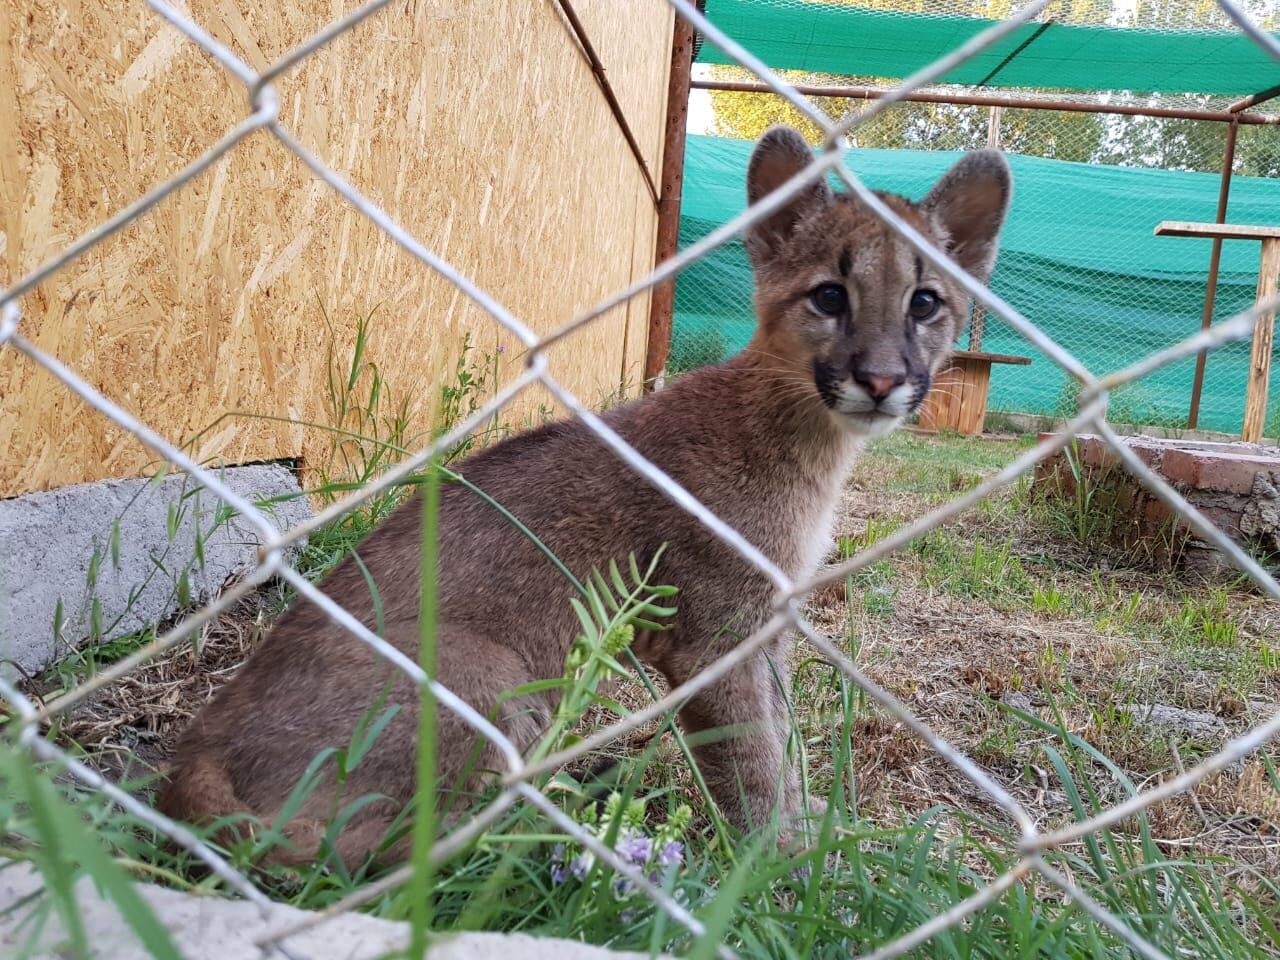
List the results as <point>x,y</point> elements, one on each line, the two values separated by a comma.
<point>622,887</point>
<point>633,845</point>
<point>557,853</point>
<point>626,916</point>
<point>558,874</point>
<point>581,864</point>
<point>672,854</point>
<point>502,348</point>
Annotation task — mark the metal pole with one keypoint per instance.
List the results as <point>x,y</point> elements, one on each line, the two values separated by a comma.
<point>1254,99</point>
<point>597,68</point>
<point>1215,258</point>
<point>662,300</point>
<point>993,100</point>
<point>977,328</point>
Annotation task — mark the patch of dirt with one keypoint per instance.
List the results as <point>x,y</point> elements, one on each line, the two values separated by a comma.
<point>953,659</point>
<point>129,726</point>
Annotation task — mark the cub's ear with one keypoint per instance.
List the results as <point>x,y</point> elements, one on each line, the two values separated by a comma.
<point>968,207</point>
<point>780,155</point>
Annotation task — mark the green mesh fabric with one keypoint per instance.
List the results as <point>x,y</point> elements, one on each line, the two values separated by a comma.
<point>851,41</point>
<point>1078,258</point>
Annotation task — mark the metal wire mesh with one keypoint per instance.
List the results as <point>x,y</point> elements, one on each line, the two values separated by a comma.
<point>516,783</point>
<point>1079,255</point>
<point>1141,15</point>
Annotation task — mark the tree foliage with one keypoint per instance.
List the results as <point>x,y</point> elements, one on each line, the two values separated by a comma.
<point>1153,142</point>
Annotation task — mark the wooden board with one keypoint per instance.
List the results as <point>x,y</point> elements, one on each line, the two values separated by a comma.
<point>213,318</point>
<point>958,398</point>
<point>1255,400</point>
<point>992,357</point>
<point>1225,231</point>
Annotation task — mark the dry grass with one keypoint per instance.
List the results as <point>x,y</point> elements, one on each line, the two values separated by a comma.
<point>129,727</point>
<point>1057,629</point>
<point>1063,631</point>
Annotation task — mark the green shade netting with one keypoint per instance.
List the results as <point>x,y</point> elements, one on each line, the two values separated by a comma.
<point>1077,258</point>
<point>851,41</point>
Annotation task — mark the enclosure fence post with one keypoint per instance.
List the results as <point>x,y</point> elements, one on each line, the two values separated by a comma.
<point>993,127</point>
<point>1215,258</point>
<point>1255,400</point>
<point>977,327</point>
<point>663,298</point>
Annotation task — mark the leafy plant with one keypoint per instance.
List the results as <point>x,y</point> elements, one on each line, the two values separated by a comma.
<point>609,610</point>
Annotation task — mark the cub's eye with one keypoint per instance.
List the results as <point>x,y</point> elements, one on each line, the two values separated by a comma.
<point>924,304</point>
<point>830,298</point>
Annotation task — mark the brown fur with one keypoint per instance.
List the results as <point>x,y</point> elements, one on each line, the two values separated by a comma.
<point>756,439</point>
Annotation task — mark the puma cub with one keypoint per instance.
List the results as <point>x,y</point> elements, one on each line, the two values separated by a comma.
<point>853,325</point>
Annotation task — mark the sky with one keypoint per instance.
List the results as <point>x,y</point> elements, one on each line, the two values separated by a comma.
<point>700,114</point>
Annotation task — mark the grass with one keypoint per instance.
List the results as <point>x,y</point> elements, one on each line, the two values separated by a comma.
<point>1130,403</point>
<point>1017,632</point>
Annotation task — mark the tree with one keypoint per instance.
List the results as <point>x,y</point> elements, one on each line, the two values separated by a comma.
<point>1159,142</point>
<point>906,126</point>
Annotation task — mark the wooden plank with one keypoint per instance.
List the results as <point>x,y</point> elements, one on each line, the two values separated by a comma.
<point>210,318</point>
<point>1255,402</point>
<point>965,400</point>
<point>992,357</point>
<point>958,399</point>
<point>933,414</point>
<point>973,398</point>
<point>1226,231</point>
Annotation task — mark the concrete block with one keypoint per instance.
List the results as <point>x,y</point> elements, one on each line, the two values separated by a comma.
<point>121,555</point>
<point>208,928</point>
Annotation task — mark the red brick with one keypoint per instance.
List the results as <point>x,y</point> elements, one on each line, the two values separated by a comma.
<point>1228,521</point>
<point>1157,511</point>
<point>1223,472</point>
<point>1094,452</point>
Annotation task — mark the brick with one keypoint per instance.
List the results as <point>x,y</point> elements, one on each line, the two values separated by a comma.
<point>1224,480</point>
<point>1221,472</point>
<point>1096,454</point>
<point>1156,511</point>
<point>1224,518</point>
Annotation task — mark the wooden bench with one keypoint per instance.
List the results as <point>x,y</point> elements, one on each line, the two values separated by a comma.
<point>1255,398</point>
<point>958,400</point>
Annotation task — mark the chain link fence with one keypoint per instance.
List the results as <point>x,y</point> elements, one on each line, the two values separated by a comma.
<point>1079,256</point>
<point>520,777</point>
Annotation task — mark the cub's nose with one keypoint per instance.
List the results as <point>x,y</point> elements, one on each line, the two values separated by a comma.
<point>877,385</point>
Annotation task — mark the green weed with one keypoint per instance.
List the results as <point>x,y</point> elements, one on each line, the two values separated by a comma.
<point>1203,622</point>
<point>1082,507</point>
<point>990,572</point>
<point>1049,601</point>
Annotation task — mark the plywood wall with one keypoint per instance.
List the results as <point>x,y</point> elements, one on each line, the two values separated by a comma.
<point>478,125</point>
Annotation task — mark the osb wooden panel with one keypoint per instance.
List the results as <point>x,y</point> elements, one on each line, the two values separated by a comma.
<point>478,126</point>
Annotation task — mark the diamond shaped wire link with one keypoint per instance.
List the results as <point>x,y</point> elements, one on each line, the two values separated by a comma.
<point>517,783</point>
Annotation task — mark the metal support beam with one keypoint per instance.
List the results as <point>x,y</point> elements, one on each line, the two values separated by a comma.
<point>1254,99</point>
<point>996,100</point>
<point>1215,260</point>
<point>662,300</point>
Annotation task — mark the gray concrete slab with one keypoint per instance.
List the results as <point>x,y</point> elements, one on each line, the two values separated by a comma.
<point>208,928</point>
<point>117,556</point>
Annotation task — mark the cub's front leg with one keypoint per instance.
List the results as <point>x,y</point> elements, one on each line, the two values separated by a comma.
<point>738,729</point>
